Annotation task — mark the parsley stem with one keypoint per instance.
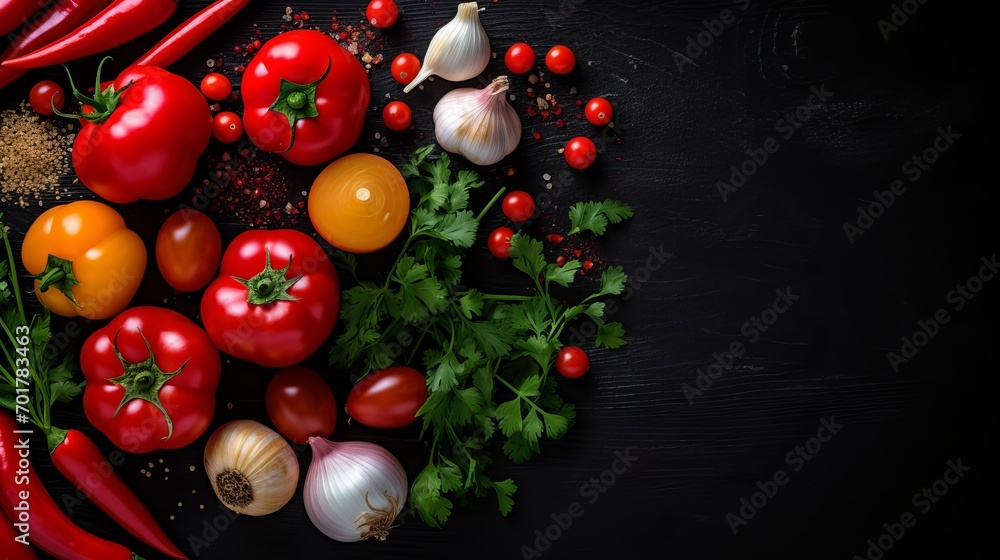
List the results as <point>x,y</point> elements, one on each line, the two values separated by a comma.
<point>501,297</point>
<point>490,204</point>
<point>518,393</point>
<point>420,339</point>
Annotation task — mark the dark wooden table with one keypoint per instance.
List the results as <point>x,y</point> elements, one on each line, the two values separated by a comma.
<point>812,183</point>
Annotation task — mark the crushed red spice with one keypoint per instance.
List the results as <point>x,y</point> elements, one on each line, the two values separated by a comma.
<point>249,186</point>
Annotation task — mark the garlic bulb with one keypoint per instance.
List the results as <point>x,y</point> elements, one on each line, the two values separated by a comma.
<point>354,489</point>
<point>460,50</point>
<point>478,123</point>
<point>252,468</point>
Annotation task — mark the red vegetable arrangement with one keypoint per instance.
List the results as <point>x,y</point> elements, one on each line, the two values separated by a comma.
<point>31,386</point>
<point>483,367</point>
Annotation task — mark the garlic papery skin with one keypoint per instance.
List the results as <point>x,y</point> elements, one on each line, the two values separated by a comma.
<point>252,468</point>
<point>478,123</point>
<point>354,489</point>
<point>459,51</point>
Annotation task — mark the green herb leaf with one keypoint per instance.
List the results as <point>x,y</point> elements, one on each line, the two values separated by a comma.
<point>594,216</point>
<point>527,253</point>
<point>612,281</point>
<point>505,490</point>
<point>459,228</point>
<point>471,304</point>
<point>562,275</point>
<point>610,335</point>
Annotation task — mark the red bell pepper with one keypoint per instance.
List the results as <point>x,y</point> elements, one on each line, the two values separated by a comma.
<point>304,97</point>
<point>15,12</point>
<point>64,16</point>
<point>196,29</point>
<point>151,379</point>
<point>80,461</point>
<point>21,490</point>
<point>116,25</point>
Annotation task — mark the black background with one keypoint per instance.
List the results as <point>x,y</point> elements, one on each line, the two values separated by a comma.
<point>682,124</point>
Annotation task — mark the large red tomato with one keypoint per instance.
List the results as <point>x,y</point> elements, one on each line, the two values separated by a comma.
<point>151,379</point>
<point>276,298</point>
<point>304,97</point>
<point>142,139</point>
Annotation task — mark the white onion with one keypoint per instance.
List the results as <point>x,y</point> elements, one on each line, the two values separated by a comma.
<point>354,489</point>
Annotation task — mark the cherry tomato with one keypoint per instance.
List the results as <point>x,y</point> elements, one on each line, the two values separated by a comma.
<point>188,250</point>
<point>572,362</point>
<point>405,67</point>
<point>560,60</point>
<point>599,111</point>
<point>388,398</point>
<point>580,152</point>
<point>227,127</point>
<point>397,115</point>
<point>382,13</point>
<point>301,404</point>
<point>499,243</point>
<point>518,206</point>
<point>216,86</point>
<point>520,58</point>
<point>44,94</point>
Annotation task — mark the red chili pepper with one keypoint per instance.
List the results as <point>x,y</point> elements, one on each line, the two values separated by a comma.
<point>14,549</point>
<point>54,24</point>
<point>80,461</point>
<point>50,529</point>
<point>15,12</point>
<point>196,29</point>
<point>117,24</point>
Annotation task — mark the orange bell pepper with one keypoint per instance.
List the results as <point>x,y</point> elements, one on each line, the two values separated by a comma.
<point>85,261</point>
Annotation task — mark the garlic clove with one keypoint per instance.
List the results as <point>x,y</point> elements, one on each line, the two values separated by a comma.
<point>479,124</point>
<point>459,51</point>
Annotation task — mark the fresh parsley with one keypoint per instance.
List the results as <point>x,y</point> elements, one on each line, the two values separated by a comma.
<point>49,379</point>
<point>595,216</point>
<point>489,358</point>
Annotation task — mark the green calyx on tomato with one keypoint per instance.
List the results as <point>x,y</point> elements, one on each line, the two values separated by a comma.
<point>58,273</point>
<point>298,101</point>
<point>269,285</point>
<point>143,380</point>
<point>103,102</point>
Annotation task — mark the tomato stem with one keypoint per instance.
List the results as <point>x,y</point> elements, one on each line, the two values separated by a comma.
<point>298,101</point>
<point>143,380</point>
<point>269,285</point>
<point>103,101</point>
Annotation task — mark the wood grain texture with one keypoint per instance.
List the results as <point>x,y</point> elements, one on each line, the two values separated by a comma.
<point>684,119</point>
